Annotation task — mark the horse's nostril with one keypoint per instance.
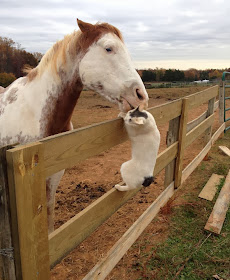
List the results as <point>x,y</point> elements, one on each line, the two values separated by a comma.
<point>139,95</point>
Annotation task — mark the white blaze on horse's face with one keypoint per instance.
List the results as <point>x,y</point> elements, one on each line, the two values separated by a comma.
<point>107,69</point>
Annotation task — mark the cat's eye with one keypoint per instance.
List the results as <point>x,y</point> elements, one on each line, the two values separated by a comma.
<point>108,50</point>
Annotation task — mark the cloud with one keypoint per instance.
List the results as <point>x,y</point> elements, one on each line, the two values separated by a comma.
<point>153,30</point>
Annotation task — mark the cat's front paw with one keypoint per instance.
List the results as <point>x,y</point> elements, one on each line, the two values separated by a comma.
<point>118,187</point>
<point>121,115</point>
<point>122,188</point>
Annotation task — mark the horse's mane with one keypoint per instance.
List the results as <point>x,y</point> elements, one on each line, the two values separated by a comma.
<point>75,43</point>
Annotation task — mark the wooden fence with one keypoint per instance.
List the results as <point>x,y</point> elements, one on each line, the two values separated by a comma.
<point>23,170</point>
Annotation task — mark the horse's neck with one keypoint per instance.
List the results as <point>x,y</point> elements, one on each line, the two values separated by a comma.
<point>61,95</point>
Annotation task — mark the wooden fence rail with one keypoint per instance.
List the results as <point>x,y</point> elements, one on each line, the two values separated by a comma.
<point>29,165</point>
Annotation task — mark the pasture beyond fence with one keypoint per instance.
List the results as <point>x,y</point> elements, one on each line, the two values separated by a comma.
<point>23,170</point>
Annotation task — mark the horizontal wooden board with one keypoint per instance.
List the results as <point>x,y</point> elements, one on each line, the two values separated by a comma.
<point>197,160</point>
<point>203,96</point>
<point>199,119</point>
<point>166,112</point>
<point>165,157</point>
<point>105,266</point>
<point>72,233</point>
<point>198,130</point>
<point>67,149</point>
<point>210,188</point>
<point>217,134</point>
<point>217,217</point>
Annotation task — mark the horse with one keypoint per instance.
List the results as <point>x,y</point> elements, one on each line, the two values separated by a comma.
<point>41,103</point>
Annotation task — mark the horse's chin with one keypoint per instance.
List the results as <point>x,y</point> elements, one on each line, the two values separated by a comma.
<point>125,106</point>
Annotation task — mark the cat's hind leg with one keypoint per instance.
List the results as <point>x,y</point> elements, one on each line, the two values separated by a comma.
<point>123,188</point>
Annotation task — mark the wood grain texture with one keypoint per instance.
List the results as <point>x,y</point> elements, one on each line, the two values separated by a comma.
<point>166,112</point>
<point>104,266</point>
<point>28,205</point>
<point>193,134</point>
<point>210,188</point>
<point>67,149</point>
<point>210,111</point>
<point>172,137</point>
<point>197,160</point>
<point>73,232</point>
<point>225,150</point>
<point>221,102</point>
<point>217,217</point>
<point>201,118</point>
<point>181,142</point>
<point>7,266</point>
<point>201,97</point>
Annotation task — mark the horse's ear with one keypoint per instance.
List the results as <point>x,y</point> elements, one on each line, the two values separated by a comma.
<point>84,26</point>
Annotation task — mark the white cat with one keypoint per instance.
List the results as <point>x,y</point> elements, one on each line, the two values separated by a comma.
<point>145,140</point>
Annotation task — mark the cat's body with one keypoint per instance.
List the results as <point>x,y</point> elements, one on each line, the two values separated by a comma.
<point>145,140</point>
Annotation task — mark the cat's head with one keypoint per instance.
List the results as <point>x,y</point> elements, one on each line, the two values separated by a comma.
<point>136,117</point>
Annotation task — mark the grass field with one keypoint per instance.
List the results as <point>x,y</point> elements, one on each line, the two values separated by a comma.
<point>189,252</point>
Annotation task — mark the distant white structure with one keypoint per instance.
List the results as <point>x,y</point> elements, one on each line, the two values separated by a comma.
<point>201,82</point>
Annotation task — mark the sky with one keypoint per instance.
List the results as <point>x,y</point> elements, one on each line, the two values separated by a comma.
<point>178,34</point>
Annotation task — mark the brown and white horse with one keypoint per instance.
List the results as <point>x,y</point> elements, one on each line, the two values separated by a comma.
<point>41,104</point>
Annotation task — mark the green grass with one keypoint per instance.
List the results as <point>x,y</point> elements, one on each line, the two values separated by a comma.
<point>191,253</point>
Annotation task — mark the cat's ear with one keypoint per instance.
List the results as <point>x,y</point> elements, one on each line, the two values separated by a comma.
<point>138,121</point>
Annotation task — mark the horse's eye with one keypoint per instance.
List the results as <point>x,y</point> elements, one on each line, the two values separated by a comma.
<point>108,49</point>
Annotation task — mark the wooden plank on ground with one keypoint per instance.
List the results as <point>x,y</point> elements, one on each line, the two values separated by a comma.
<point>225,150</point>
<point>73,232</point>
<point>27,191</point>
<point>104,267</point>
<point>217,217</point>
<point>210,188</point>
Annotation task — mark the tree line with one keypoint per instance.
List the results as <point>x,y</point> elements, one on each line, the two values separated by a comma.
<point>174,75</point>
<point>13,58</point>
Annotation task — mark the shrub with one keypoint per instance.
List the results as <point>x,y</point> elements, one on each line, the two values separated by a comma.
<point>6,79</point>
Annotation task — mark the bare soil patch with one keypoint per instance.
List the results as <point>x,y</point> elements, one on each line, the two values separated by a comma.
<point>88,180</point>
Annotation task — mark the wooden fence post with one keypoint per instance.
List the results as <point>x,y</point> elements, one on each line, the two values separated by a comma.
<point>172,137</point>
<point>7,266</point>
<point>181,144</point>
<point>221,102</point>
<point>210,111</point>
<point>27,191</point>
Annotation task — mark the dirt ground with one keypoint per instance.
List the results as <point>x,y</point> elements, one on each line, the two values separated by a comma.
<point>87,181</point>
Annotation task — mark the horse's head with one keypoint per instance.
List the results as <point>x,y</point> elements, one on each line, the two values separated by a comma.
<point>106,67</point>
